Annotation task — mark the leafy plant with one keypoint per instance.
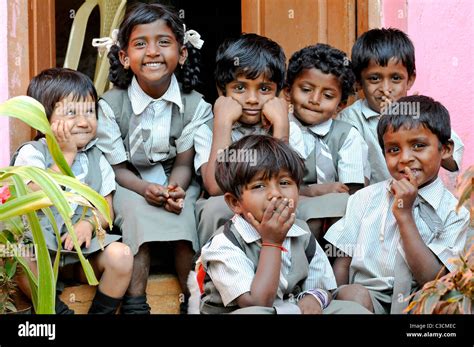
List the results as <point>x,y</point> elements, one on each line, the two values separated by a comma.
<point>18,212</point>
<point>454,292</point>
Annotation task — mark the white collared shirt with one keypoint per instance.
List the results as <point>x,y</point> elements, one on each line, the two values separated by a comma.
<point>365,120</point>
<point>370,235</point>
<point>204,135</point>
<point>232,272</point>
<point>353,164</point>
<point>155,122</point>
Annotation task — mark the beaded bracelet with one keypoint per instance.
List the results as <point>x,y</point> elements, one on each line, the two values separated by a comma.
<point>268,244</point>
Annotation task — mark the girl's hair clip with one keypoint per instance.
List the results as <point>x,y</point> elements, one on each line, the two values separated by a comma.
<point>103,44</point>
<point>193,37</point>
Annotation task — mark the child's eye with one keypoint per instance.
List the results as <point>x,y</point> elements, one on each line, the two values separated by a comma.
<point>139,44</point>
<point>397,78</point>
<point>285,182</point>
<point>164,42</point>
<point>391,150</point>
<point>70,113</point>
<point>419,145</point>
<point>373,78</point>
<point>239,88</point>
<point>306,90</point>
<point>265,89</point>
<point>258,186</point>
<point>328,96</point>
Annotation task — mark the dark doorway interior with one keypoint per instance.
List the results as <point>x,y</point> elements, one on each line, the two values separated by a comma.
<point>214,20</point>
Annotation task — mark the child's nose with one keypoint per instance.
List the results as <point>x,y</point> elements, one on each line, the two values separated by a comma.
<point>152,49</point>
<point>406,156</point>
<point>387,86</point>
<point>275,192</point>
<point>315,98</point>
<point>252,97</point>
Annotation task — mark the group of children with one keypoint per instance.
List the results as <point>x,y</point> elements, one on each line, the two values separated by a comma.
<point>362,178</point>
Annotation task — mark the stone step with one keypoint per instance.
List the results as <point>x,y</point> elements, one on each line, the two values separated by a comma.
<point>163,294</point>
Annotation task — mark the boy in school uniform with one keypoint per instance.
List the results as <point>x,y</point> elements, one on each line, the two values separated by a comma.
<point>263,260</point>
<point>399,233</point>
<point>250,72</point>
<point>384,65</point>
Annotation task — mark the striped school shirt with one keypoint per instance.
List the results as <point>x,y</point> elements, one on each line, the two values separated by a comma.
<point>365,120</point>
<point>353,164</point>
<point>232,272</point>
<point>204,135</point>
<point>155,119</point>
<point>370,235</point>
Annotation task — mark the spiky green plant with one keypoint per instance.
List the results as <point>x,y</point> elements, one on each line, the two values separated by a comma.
<point>19,211</point>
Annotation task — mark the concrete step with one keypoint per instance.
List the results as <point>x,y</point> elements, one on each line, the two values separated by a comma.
<point>163,294</point>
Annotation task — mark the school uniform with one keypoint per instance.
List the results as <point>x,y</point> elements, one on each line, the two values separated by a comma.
<point>334,151</point>
<point>231,267</point>
<point>147,134</point>
<point>213,212</point>
<point>370,235</point>
<point>365,120</point>
<point>89,167</point>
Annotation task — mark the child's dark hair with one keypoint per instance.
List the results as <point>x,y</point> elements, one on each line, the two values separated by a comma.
<point>381,45</point>
<point>265,153</point>
<point>52,85</point>
<point>249,55</point>
<point>142,13</point>
<point>432,115</point>
<point>328,60</point>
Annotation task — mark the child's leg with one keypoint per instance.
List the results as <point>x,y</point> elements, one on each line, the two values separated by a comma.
<point>114,268</point>
<point>357,293</point>
<point>316,226</point>
<point>141,269</point>
<point>183,258</point>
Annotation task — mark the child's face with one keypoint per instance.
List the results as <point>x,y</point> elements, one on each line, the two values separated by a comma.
<point>258,193</point>
<point>153,55</point>
<point>315,96</point>
<point>417,149</point>
<point>80,118</point>
<point>251,95</point>
<point>385,82</point>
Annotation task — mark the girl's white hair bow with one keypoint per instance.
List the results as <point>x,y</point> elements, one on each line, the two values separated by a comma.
<point>193,37</point>
<point>103,44</point>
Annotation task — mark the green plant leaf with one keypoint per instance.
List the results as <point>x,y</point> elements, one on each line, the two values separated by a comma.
<point>46,285</point>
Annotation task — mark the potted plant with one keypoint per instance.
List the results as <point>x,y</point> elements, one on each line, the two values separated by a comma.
<point>453,292</point>
<point>18,210</point>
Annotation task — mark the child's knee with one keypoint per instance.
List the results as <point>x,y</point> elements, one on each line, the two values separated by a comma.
<point>119,257</point>
<point>357,293</point>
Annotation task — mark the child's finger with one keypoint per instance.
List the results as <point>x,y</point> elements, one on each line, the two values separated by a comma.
<point>290,221</point>
<point>411,176</point>
<point>267,215</point>
<point>285,214</point>
<point>344,188</point>
<point>281,207</point>
<point>252,220</point>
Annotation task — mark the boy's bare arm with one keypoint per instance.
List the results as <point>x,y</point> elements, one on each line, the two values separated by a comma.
<point>277,220</point>
<point>275,111</point>
<point>341,270</point>
<point>226,112</point>
<point>422,261</point>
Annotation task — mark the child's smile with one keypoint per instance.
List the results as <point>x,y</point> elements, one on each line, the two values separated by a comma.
<point>315,96</point>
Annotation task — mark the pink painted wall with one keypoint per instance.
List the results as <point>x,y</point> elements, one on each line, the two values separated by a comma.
<point>443,35</point>
<point>4,129</point>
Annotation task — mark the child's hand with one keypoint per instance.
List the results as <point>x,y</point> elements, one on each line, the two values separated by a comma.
<point>405,192</point>
<point>326,188</point>
<point>274,111</point>
<point>156,194</point>
<point>62,132</point>
<point>387,100</point>
<point>309,305</point>
<point>175,202</point>
<point>277,219</point>
<point>227,109</point>
<point>83,231</point>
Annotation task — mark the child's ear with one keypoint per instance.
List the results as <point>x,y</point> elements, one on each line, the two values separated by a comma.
<point>219,91</point>
<point>233,202</point>
<point>447,149</point>
<point>124,60</point>
<point>286,94</point>
<point>411,81</point>
<point>183,55</point>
